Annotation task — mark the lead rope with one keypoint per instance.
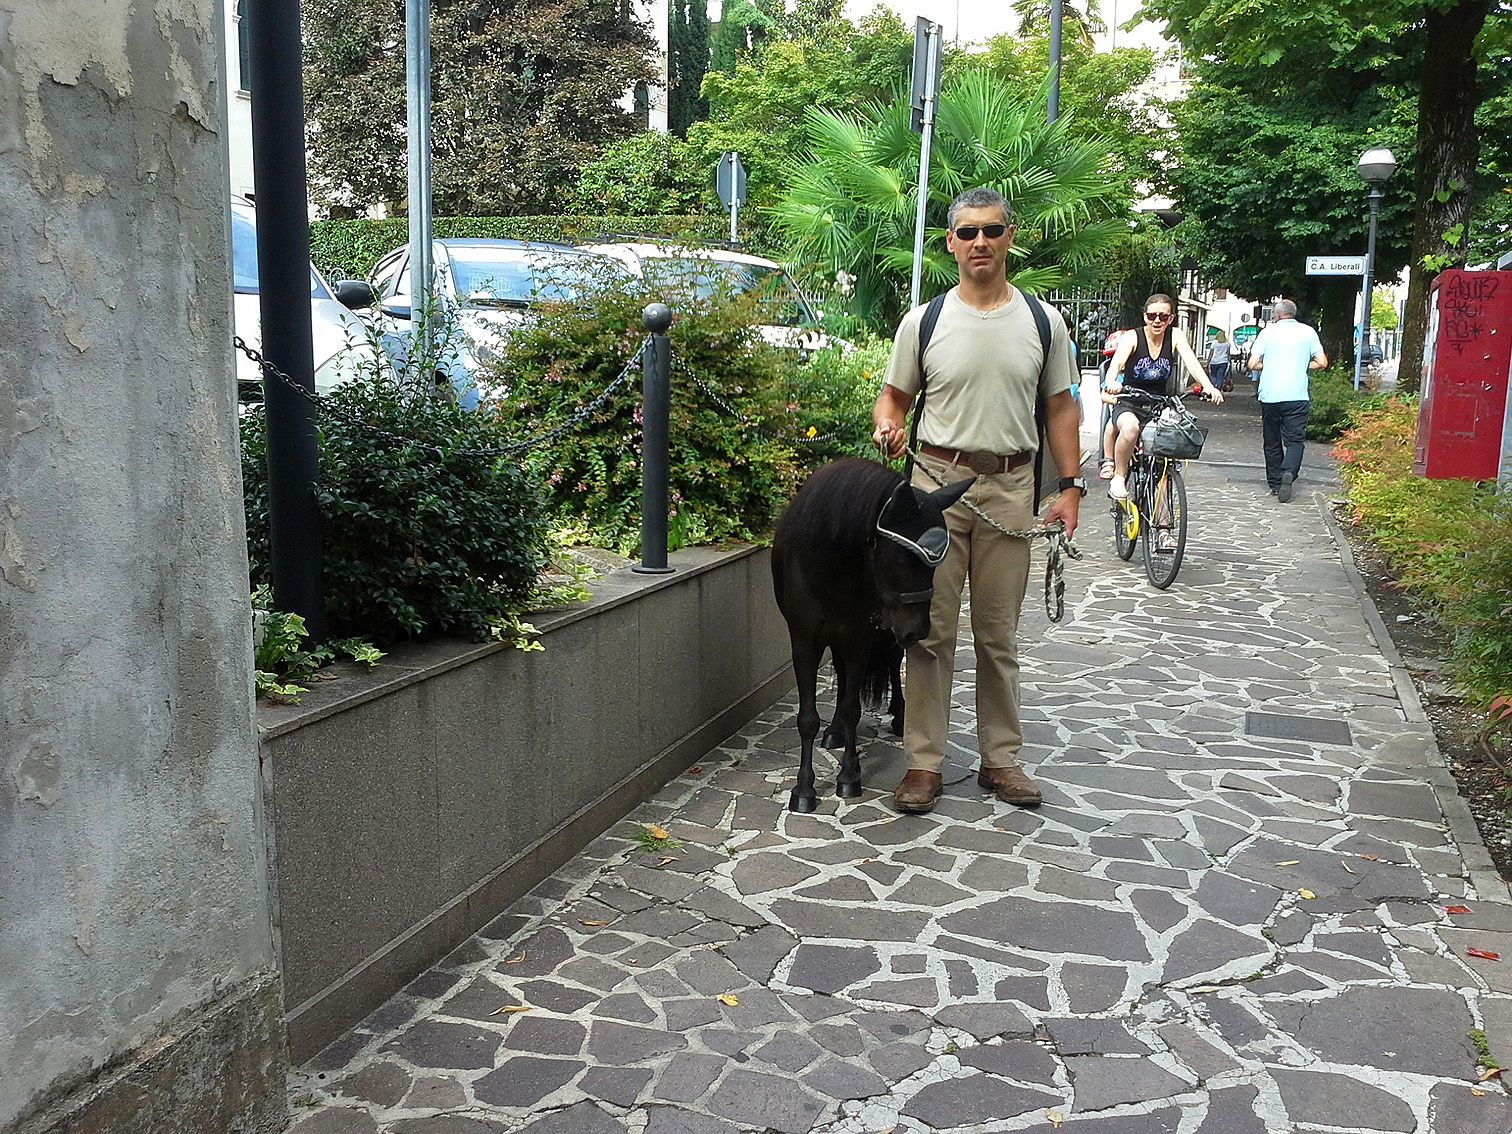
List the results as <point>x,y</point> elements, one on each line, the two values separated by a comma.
<point>1057,549</point>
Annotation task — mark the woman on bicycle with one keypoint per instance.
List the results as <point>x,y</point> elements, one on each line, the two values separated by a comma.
<point>1146,361</point>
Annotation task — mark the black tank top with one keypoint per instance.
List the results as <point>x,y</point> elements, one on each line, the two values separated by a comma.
<point>1142,372</point>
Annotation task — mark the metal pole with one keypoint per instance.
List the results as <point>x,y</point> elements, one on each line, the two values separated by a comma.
<point>1375,208</point>
<point>417,102</point>
<point>734,211</point>
<point>656,396</point>
<point>1052,108</point>
<point>283,270</point>
<point>931,53</point>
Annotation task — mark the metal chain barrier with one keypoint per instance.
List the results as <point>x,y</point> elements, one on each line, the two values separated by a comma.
<point>1057,549</point>
<point>720,401</point>
<point>325,406</point>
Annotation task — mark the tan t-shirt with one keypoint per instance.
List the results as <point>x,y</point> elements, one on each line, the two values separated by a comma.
<point>982,368</point>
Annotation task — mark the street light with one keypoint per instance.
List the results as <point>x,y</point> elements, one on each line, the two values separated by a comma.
<point>1377,164</point>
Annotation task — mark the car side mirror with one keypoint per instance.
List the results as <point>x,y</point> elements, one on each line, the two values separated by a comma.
<point>397,310</point>
<point>354,294</point>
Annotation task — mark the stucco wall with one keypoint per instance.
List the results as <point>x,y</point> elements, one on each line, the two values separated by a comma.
<point>132,868</point>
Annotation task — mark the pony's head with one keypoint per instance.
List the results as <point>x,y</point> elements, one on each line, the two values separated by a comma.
<point>910,541</point>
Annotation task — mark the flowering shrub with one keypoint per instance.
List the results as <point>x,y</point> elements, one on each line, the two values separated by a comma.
<point>1450,541</point>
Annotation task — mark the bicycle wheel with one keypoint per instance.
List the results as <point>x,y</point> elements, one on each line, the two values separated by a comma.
<point>1165,527</point>
<point>1125,528</point>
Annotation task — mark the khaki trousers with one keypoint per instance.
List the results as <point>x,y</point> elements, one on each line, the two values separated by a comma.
<point>998,566</point>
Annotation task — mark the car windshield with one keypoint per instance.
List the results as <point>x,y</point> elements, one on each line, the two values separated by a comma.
<point>706,278</point>
<point>491,277</point>
<point>244,258</point>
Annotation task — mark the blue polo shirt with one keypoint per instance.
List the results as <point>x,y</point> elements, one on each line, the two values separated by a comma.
<point>1286,347</point>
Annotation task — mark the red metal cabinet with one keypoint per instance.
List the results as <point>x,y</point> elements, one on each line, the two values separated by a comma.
<point>1465,361</point>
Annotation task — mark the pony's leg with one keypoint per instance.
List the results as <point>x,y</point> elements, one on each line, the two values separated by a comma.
<point>834,735</point>
<point>806,657</point>
<point>848,716</point>
<point>895,705</point>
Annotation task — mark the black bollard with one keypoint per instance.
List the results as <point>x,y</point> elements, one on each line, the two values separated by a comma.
<point>656,397</point>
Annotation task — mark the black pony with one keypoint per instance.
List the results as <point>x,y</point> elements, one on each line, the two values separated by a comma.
<point>853,565</point>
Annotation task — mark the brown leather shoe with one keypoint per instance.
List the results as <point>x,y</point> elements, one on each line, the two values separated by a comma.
<point>918,791</point>
<point>1011,785</point>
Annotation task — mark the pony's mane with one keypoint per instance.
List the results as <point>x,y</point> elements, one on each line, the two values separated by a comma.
<point>839,504</point>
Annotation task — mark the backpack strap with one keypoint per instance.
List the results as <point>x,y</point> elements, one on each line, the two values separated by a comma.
<point>926,332</point>
<point>1041,411</point>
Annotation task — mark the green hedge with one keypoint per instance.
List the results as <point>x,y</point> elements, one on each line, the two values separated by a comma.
<point>348,249</point>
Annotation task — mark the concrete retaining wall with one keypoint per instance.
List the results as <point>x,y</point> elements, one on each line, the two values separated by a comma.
<point>411,803</point>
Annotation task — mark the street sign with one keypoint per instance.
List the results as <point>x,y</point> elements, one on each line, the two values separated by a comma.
<point>730,180</point>
<point>928,40</point>
<point>1336,265</point>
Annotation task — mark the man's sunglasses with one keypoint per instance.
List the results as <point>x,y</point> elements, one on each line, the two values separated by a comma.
<point>1158,317</point>
<point>969,231</point>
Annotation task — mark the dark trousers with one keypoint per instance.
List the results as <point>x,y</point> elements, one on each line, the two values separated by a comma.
<point>1284,425</point>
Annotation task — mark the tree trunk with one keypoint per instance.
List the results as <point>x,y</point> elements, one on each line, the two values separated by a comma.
<point>1329,308</point>
<point>1447,152</point>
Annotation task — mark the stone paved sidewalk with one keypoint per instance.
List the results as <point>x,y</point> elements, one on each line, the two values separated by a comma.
<point>1202,931</point>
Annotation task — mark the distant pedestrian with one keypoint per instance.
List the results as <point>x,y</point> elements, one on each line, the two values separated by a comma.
<point>1218,363</point>
<point>1283,353</point>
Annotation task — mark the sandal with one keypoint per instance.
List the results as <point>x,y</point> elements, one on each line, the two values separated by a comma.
<point>1118,489</point>
<point>1105,469</point>
<point>1166,541</point>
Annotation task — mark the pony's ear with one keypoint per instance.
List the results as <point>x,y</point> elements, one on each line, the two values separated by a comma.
<point>904,504</point>
<point>943,498</point>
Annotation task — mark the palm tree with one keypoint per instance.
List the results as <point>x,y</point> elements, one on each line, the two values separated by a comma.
<point>1034,19</point>
<point>852,201</point>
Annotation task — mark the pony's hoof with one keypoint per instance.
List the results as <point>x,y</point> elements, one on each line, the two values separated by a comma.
<point>803,803</point>
<point>832,738</point>
<point>848,789</point>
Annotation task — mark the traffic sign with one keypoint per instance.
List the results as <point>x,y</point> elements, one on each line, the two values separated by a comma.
<point>928,40</point>
<point>1336,265</point>
<point>730,180</point>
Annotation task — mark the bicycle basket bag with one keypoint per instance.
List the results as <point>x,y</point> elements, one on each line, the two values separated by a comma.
<point>1176,435</point>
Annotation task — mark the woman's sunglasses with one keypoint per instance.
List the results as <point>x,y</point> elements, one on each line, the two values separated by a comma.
<point>1158,317</point>
<point>969,231</point>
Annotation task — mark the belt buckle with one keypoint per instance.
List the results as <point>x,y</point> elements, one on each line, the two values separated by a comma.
<point>983,463</point>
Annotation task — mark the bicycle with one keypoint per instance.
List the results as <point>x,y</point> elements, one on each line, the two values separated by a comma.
<point>1156,507</point>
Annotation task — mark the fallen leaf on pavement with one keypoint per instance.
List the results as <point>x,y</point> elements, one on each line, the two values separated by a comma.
<point>696,768</point>
<point>1484,954</point>
<point>1307,893</point>
<point>1345,865</point>
<point>514,960</point>
<point>1372,857</point>
<point>1055,1117</point>
<point>728,998</point>
<point>1477,1094</point>
<point>590,921</point>
<point>1488,1073</point>
<point>1289,862</point>
<point>667,859</point>
<point>656,832</point>
<point>510,1008</point>
<point>1456,909</point>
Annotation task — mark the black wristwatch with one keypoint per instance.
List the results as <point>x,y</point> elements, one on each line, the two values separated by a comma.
<point>1073,482</point>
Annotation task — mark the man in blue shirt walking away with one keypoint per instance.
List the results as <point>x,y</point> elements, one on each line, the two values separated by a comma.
<point>1283,353</point>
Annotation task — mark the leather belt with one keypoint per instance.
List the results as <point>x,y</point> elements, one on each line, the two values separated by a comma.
<point>980,462</point>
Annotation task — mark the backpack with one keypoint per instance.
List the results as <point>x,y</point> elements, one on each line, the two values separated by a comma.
<point>926,332</point>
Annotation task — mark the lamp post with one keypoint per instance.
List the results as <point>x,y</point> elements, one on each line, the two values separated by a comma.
<point>1376,165</point>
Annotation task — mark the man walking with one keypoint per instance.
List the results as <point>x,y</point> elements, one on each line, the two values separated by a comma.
<point>981,372</point>
<point>1283,353</point>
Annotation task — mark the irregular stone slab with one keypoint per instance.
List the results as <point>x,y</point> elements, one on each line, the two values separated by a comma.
<point>1027,1062</point>
<point>1218,838</point>
<point>920,992</point>
<point>1070,884</point>
<point>929,893</point>
<point>619,1085</point>
<point>985,1021</point>
<point>829,968</point>
<point>1195,1051</point>
<point>540,953</point>
<point>454,1046</point>
<point>813,919</point>
<point>1093,988</point>
<point>1052,927</point>
<point>525,1080</point>
<point>1033,991</point>
<point>1074,1036</point>
<point>1397,801</point>
<point>618,1044</point>
<point>446,1124</point>
<point>436,1092</point>
<point>1234,900</point>
<point>1287,982</point>
<point>580,1118</point>
<point>839,1080</point>
<point>383,1083</point>
<point>1129,783</point>
<point>1396,1029</point>
<point>1152,826</point>
<point>767,1101</point>
<point>1337,1100</point>
<point>706,971</point>
<point>789,1052</point>
<point>757,1008</point>
<point>339,1120</point>
<point>688,1076</point>
<point>974,1099</point>
<point>897,1061</point>
<point>842,1039</point>
<point>758,954</point>
<point>721,907</point>
<point>767,871</point>
<point>1232,1111</point>
<point>671,1120</point>
<point>1099,1082</point>
<point>1291,927</point>
<point>1207,951</point>
<point>682,1015</point>
<point>1454,1109</point>
<point>547,1036</point>
<point>846,888</point>
<point>593,972</point>
<point>661,884</point>
<point>628,1006</point>
<point>1365,946</point>
<point>1159,909</point>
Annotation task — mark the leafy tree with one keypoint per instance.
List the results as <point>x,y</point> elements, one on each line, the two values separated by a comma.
<point>646,174</point>
<point>742,27</point>
<point>523,91</point>
<point>687,61</point>
<point>852,203</point>
<point>1437,38</point>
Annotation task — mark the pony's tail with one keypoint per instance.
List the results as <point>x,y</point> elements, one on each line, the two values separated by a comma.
<point>883,661</point>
